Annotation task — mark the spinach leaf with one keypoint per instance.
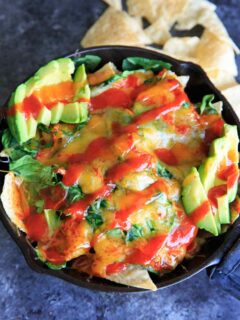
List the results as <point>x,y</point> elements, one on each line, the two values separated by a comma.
<point>16,151</point>
<point>206,105</point>
<point>134,63</point>
<point>163,172</point>
<point>94,217</point>
<point>74,194</point>
<point>91,61</point>
<point>134,233</point>
<point>33,171</point>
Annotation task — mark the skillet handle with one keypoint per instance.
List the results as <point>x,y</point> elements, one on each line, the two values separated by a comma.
<point>226,268</point>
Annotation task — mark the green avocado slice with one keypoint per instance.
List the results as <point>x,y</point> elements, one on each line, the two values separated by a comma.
<point>193,196</point>
<point>220,149</point>
<point>54,72</point>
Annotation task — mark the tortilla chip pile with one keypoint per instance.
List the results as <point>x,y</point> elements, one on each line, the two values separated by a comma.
<point>213,50</point>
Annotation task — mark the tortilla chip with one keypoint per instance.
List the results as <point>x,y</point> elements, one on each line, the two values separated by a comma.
<point>232,94</point>
<point>12,200</point>
<point>117,4</point>
<point>222,79</point>
<point>213,54</point>
<point>115,27</point>
<point>158,32</point>
<point>191,14</point>
<point>153,10</point>
<point>143,8</point>
<point>184,48</point>
<point>171,10</point>
<point>202,12</point>
<point>134,276</point>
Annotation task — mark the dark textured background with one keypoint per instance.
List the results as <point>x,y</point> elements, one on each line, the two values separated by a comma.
<point>31,33</point>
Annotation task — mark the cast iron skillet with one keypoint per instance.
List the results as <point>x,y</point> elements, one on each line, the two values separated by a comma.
<point>212,252</point>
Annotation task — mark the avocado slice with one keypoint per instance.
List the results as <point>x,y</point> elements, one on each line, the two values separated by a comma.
<point>75,112</point>
<point>220,149</point>
<point>223,209</point>
<point>44,116</point>
<point>54,72</point>
<point>53,220</point>
<point>193,195</point>
<point>81,86</point>
<point>56,112</point>
<point>231,134</point>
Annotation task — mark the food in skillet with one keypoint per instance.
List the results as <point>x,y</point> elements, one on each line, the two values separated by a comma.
<point>113,173</point>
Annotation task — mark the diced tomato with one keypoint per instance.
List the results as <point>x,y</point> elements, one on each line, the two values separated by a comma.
<point>115,267</point>
<point>111,98</point>
<point>167,156</point>
<point>36,226</point>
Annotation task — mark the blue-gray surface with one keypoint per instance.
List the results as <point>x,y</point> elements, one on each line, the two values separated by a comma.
<point>31,33</point>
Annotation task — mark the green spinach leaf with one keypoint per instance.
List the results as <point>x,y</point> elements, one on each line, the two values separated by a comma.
<point>163,172</point>
<point>91,61</point>
<point>33,171</point>
<point>94,217</point>
<point>206,106</point>
<point>134,63</point>
<point>74,193</point>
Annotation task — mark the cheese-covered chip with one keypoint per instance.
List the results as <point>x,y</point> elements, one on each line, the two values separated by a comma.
<point>115,27</point>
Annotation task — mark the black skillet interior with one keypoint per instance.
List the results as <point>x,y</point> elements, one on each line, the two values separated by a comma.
<point>211,252</point>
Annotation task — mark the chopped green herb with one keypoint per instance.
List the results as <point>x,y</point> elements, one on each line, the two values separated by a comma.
<point>39,205</point>
<point>163,172</point>
<point>94,217</point>
<point>134,233</point>
<point>186,105</point>
<point>134,63</point>
<point>74,194</point>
